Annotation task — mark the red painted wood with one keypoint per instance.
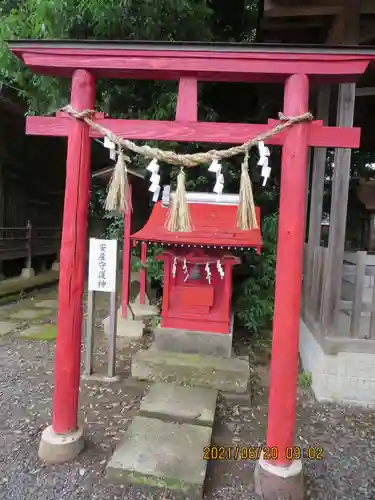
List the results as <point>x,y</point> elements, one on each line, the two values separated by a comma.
<point>213,225</point>
<point>73,261</point>
<point>284,361</point>
<point>216,132</point>
<point>126,262</point>
<point>143,275</point>
<point>204,65</point>
<point>187,100</point>
<point>194,296</point>
<point>197,304</point>
<point>228,288</point>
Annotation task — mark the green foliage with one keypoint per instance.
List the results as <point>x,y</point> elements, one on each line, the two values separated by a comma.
<point>254,303</point>
<point>110,20</point>
<point>305,380</point>
<point>155,268</point>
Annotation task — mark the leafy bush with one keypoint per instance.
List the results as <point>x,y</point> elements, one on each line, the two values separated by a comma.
<point>254,298</point>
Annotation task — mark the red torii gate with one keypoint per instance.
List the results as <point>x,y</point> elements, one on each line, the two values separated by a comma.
<point>188,64</point>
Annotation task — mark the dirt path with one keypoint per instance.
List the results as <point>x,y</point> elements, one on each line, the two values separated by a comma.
<point>26,383</point>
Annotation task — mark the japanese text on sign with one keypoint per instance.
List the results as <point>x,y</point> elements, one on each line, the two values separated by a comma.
<point>102,265</point>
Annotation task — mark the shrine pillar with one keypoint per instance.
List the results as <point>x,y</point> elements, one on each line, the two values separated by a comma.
<point>64,439</point>
<point>283,475</point>
<point>126,257</point>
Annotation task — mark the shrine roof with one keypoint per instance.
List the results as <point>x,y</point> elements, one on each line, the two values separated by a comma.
<point>213,225</point>
<point>206,61</point>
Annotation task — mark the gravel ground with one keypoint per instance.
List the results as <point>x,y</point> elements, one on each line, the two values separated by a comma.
<point>26,382</point>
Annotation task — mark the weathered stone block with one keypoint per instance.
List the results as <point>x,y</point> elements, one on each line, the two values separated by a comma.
<point>195,370</point>
<point>39,332</point>
<point>31,314</point>
<point>48,304</point>
<point>143,311</point>
<point>127,328</point>
<point>193,342</point>
<point>6,327</point>
<point>162,455</point>
<point>175,403</point>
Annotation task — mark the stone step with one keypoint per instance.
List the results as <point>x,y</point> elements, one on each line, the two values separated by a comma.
<point>176,403</point>
<point>163,455</point>
<point>196,370</point>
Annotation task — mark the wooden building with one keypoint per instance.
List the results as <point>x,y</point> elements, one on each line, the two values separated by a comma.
<point>337,342</point>
<point>31,192</point>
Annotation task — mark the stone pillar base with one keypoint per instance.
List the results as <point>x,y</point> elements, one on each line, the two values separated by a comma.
<point>143,311</point>
<point>127,328</point>
<point>273,482</point>
<point>55,266</point>
<point>58,448</point>
<point>100,377</point>
<point>27,273</point>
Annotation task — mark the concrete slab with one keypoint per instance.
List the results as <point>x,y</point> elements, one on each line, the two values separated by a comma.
<point>48,304</point>
<point>39,332</point>
<point>6,327</point>
<point>175,403</point>
<point>162,455</point>
<point>126,328</point>
<point>27,273</point>
<point>31,313</point>
<point>194,370</point>
<point>194,342</point>
<point>143,311</point>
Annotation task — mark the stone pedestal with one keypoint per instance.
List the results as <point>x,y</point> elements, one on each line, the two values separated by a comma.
<point>127,328</point>
<point>27,272</point>
<point>274,482</point>
<point>58,448</point>
<point>194,342</point>
<point>55,266</point>
<point>143,311</point>
<point>194,370</point>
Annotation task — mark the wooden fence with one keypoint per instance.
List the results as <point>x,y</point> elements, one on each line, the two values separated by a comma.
<point>28,242</point>
<point>350,320</point>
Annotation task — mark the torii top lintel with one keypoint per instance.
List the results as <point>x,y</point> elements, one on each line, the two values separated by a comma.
<point>188,63</point>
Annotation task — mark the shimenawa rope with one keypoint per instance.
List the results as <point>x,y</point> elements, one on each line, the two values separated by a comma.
<point>179,219</point>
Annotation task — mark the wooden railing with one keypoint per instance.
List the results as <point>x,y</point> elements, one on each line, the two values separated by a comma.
<point>28,242</point>
<point>351,323</point>
<point>357,306</point>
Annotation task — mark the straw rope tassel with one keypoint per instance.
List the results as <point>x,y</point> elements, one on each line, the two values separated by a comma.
<point>246,216</point>
<point>118,188</point>
<point>179,216</point>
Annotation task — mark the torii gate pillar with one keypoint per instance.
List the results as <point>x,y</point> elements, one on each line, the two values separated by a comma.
<point>64,439</point>
<point>282,478</point>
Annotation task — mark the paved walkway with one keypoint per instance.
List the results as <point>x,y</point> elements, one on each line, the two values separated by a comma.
<point>26,385</point>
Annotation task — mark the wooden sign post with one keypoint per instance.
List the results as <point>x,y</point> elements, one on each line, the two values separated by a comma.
<point>102,278</point>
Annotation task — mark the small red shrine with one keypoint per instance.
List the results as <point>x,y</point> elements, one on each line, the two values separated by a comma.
<point>198,265</point>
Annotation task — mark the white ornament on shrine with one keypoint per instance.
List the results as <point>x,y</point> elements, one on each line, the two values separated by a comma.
<point>263,162</point>
<point>174,267</point>
<point>154,188</point>
<point>185,270</point>
<point>111,146</point>
<point>216,168</point>
<point>208,272</point>
<point>220,269</point>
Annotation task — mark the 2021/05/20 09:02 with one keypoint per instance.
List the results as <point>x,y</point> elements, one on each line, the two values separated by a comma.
<point>267,452</point>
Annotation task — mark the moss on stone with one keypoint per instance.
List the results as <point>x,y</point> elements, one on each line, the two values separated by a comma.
<point>47,332</point>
